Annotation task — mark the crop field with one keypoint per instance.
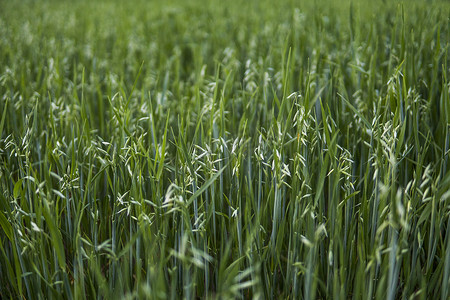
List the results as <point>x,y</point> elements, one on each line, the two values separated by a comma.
<point>224,149</point>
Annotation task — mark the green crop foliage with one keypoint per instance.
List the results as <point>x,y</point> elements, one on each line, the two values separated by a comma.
<point>224,149</point>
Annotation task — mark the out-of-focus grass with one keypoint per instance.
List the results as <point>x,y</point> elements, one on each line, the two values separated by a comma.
<point>238,149</point>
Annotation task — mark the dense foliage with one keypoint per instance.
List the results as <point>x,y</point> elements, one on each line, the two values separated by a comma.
<point>224,149</point>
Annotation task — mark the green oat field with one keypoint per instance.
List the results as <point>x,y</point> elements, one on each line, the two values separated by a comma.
<point>189,149</point>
